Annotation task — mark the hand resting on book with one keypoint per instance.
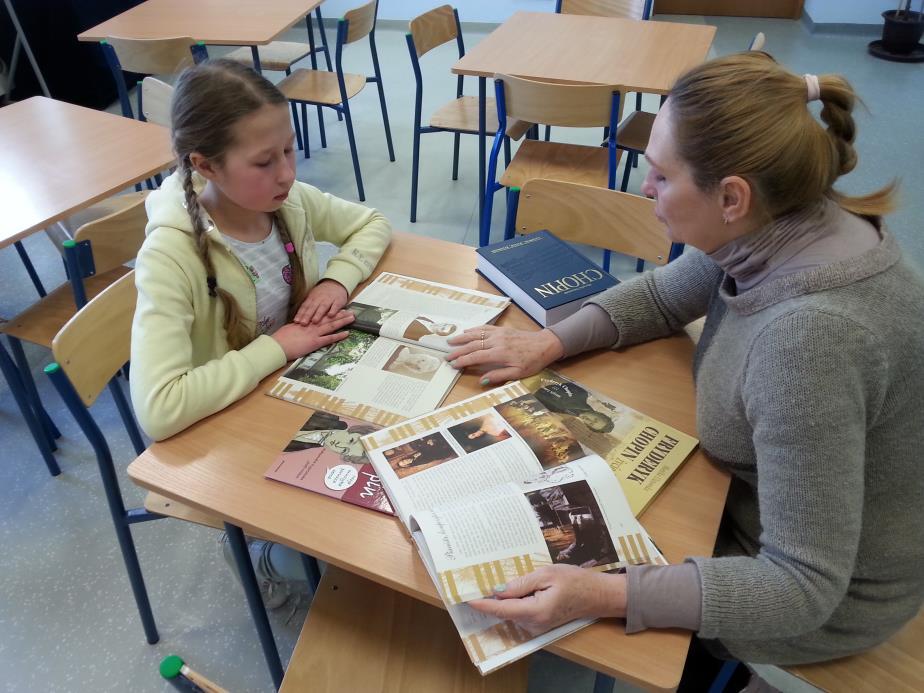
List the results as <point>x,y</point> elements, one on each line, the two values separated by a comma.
<point>297,340</point>
<point>509,354</point>
<point>325,300</point>
<point>553,595</point>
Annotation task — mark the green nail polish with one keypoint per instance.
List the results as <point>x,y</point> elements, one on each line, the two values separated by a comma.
<point>500,588</point>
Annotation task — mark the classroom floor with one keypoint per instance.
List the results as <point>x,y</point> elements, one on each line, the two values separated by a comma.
<point>67,618</point>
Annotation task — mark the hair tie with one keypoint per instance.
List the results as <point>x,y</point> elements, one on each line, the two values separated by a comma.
<point>290,247</point>
<point>213,285</point>
<point>812,87</point>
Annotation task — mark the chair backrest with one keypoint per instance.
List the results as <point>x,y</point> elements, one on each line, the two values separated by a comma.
<point>96,342</point>
<point>155,99</point>
<point>603,218</point>
<point>554,103</point>
<point>631,9</point>
<point>758,42</point>
<point>434,28</point>
<point>361,21</point>
<point>115,239</point>
<point>153,56</point>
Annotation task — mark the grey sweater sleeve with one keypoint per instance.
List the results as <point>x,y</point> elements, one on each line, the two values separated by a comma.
<point>589,328</point>
<point>663,596</point>
<point>812,381</point>
<point>659,303</point>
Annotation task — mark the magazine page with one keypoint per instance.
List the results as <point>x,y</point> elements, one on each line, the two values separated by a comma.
<point>502,435</point>
<point>422,312</point>
<point>370,378</point>
<point>642,452</point>
<point>574,514</point>
<point>490,642</point>
<point>326,456</point>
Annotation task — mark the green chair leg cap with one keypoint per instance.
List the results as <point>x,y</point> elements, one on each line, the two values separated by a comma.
<point>171,667</point>
<point>52,368</point>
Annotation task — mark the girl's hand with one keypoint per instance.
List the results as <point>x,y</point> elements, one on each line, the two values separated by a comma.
<point>511,353</point>
<point>298,340</point>
<point>324,300</point>
<point>553,595</point>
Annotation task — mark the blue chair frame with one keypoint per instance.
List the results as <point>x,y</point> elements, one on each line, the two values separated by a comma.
<point>492,186</point>
<point>343,108</point>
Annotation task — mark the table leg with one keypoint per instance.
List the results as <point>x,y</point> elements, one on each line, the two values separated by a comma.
<point>11,373</point>
<point>256,60</point>
<point>254,601</point>
<point>482,140</point>
<point>603,683</point>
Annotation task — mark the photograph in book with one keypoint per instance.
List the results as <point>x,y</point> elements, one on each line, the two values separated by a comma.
<point>480,432</point>
<point>643,452</point>
<point>326,456</point>
<point>412,362</point>
<point>330,366</point>
<point>551,442</point>
<point>419,455</point>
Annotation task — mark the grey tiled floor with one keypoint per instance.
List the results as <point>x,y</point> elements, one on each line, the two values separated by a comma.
<point>67,619</point>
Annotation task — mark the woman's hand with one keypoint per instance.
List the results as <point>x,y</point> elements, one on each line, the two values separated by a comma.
<point>552,595</point>
<point>511,353</point>
<point>325,299</point>
<point>298,340</point>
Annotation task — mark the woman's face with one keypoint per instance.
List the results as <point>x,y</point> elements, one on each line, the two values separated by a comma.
<point>443,329</point>
<point>421,363</point>
<point>344,443</point>
<point>690,214</point>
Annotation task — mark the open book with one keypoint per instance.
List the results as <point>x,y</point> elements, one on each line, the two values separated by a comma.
<point>493,487</point>
<point>392,365</point>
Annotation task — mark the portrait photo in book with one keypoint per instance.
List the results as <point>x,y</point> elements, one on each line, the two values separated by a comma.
<point>419,455</point>
<point>480,432</point>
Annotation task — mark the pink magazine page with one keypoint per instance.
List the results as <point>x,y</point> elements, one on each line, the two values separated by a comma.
<point>326,456</point>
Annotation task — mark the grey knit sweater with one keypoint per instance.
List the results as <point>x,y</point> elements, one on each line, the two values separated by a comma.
<point>810,391</point>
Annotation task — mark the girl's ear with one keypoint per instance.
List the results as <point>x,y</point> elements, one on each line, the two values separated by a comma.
<point>204,167</point>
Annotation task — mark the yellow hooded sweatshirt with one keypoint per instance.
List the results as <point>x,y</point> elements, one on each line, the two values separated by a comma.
<point>182,368</point>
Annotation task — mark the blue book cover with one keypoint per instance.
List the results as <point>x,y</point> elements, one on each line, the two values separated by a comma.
<point>545,276</point>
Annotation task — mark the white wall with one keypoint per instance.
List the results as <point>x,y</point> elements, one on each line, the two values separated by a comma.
<point>495,11</point>
<point>851,11</point>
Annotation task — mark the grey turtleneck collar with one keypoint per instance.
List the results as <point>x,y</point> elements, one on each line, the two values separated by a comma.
<point>810,238</point>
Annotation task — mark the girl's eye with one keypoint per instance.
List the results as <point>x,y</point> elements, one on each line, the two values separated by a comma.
<point>264,164</point>
<point>288,150</point>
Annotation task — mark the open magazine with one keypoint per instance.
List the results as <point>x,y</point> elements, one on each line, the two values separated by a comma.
<point>326,456</point>
<point>493,487</point>
<point>392,365</point>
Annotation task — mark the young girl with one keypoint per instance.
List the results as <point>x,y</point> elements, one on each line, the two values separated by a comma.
<point>227,278</point>
<point>228,285</point>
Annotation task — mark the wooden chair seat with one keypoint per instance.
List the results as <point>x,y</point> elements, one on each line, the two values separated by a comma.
<point>162,505</point>
<point>896,666</point>
<point>635,129</point>
<point>461,115</point>
<point>318,87</point>
<point>574,163</point>
<point>40,323</point>
<point>360,636</point>
<point>278,55</point>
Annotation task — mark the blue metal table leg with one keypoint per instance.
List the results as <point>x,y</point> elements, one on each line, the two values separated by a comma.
<point>257,610</point>
<point>33,275</point>
<point>11,373</point>
<point>19,356</point>
<point>482,97</point>
<point>256,60</point>
<point>603,683</point>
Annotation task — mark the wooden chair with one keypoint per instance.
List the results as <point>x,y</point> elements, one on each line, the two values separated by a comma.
<point>361,636</point>
<point>279,56</point>
<point>566,105</point>
<point>603,218</point>
<point>95,258</point>
<point>166,56</point>
<point>156,98</point>
<point>460,116</point>
<point>896,666</point>
<point>335,89</point>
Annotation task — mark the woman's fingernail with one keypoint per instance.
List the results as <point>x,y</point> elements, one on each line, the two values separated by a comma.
<point>484,381</point>
<point>500,588</point>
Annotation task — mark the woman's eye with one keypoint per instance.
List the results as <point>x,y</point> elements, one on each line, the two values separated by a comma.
<point>263,164</point>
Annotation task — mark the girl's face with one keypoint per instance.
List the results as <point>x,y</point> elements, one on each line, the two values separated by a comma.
<point>691,215</point>
<point>258,170</point>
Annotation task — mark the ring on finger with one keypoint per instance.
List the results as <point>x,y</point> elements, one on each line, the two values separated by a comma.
<point>482,340</point>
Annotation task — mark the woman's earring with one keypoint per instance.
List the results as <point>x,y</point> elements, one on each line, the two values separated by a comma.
<point>725,220</point>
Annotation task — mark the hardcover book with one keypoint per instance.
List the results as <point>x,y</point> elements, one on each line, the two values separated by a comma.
<point>543,275</point>
<point>392,364</point>
<point>495,486</point>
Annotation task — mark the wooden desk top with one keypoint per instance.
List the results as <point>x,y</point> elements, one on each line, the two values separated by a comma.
<point>218,465</point>
<point>644,56</point>
<point>59,158</point>
<point>225,22</point>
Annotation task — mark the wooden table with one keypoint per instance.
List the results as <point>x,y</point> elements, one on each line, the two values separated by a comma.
<point>642,56</point>
<point>217,22</point>
<point>58,159</point>
<point>218,465</point>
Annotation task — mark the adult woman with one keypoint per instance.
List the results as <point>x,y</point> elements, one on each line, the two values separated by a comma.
<point>809,377</point>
